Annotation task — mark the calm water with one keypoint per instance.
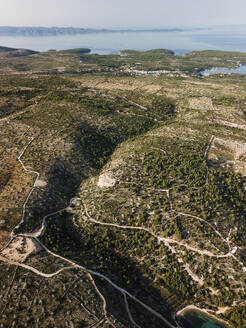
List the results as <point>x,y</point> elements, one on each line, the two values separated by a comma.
<point>194,319</point>
<point>216,70</point>
<point>217,38</point>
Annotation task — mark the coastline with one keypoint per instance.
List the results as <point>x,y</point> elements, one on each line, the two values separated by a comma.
<point>187,308</point>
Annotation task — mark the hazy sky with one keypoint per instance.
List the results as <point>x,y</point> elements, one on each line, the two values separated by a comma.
<point>122,13</point>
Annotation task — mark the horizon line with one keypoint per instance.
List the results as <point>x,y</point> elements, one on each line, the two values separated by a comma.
<point>121,27</point>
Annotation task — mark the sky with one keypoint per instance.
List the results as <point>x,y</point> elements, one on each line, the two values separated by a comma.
<point>122,13</point>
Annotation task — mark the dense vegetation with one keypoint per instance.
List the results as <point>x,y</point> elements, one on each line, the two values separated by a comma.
<point>184,164</point>
<point>182,169</point>
<point>99,143</point>
<point>237,316</point>
<point>76,51</point>
<point>224,194</point>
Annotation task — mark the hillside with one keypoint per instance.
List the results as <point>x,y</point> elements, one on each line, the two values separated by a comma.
<point>122,196</point>
<point>6,52</point>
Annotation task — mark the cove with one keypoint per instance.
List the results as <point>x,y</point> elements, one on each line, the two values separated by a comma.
<point>196,319</point>
<point>215,70</point>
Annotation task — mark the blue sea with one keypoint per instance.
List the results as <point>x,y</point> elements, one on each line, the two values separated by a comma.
<point>230,38</point>
<point>196,319</point>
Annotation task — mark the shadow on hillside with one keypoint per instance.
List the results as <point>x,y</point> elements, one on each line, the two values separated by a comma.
<point>82,248</point>
<point>64,178</point>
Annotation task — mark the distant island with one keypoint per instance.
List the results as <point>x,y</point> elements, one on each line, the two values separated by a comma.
<point>53,31</point>
<point>15,52</point>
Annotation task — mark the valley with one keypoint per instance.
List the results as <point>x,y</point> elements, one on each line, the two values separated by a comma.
<point>122,197</point>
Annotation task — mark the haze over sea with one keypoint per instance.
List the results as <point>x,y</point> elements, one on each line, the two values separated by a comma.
<point>229,38</point>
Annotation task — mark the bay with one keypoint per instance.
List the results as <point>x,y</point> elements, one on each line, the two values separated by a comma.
<point>216,70</point>
<point>196,319</point>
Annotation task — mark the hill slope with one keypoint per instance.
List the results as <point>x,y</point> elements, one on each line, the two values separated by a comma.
<point>122,197</point>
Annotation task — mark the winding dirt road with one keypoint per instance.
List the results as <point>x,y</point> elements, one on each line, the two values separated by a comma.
<point>91,273</point>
